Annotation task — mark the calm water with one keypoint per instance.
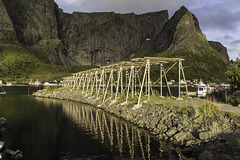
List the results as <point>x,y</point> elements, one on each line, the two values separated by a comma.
<point>50,129</point>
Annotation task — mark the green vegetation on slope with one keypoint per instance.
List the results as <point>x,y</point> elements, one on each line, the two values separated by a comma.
<point>19,63</point>
<point>208,66</point>
<point>233,75</point>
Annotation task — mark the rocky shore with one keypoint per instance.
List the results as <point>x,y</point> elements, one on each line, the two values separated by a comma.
<point>202,132</point>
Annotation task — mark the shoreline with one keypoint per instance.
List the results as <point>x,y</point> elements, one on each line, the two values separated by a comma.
<point>185,127</point>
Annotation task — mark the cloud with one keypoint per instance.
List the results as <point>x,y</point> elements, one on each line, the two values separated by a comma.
<point>218,18</point>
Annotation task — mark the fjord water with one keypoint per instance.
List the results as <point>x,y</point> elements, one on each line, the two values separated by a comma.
<point>51,129</point>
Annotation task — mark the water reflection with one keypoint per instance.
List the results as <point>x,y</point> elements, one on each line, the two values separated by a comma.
<point>118,136</point>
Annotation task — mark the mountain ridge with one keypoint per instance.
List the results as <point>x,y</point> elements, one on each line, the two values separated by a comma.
<point>103,38</point>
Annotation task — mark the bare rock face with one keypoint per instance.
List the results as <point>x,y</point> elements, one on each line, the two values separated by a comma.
<point>33,20</point>
<point>220,48</point>
<point>182,37</point>
<point>7,31</point>
<point>105,38</point>
<point>181,32</point>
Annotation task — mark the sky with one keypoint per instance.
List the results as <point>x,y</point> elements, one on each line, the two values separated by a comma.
<point>219,19</point>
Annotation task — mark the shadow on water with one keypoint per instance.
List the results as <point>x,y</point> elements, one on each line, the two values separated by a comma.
<point>20,90</point>
<point>119,137</point>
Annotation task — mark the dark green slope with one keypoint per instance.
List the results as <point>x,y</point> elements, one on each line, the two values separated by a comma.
<point>182,37</point>
<point>36,38</point>
<point>18,62</point>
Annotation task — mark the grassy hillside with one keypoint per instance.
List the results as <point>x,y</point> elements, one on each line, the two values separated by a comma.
<point>209,66</point>
<point>20,63</point>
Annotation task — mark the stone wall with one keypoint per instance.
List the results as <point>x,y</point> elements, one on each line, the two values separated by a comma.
<point>197,131</point>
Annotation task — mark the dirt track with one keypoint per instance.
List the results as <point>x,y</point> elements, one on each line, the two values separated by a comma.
<point>196,102</point>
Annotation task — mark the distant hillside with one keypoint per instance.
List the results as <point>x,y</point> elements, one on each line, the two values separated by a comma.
<point>54,38</point>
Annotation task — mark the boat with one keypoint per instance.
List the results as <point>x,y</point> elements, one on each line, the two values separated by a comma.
<point>3,91</point>
<point>35,84</point>
<point>50,84</point>
<point>200,85</point>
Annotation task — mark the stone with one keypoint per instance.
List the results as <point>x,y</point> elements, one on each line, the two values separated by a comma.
<point>180,137</point>
<point>7,31</point>
<point>205,156</point>
<point>34,20</point>
<point>171,131</point>
<point>220,48</point>
<point>225,157</point>
<point>162,127</point>
<point>204,135</point>
<point>107,37</point>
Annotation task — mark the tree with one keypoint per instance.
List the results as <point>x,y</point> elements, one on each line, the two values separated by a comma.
<point>233,75</point>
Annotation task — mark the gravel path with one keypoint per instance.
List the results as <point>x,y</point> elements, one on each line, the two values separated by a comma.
<point>196,102</point>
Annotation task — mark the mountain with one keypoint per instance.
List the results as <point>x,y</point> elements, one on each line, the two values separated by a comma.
<point>42,30</point>
<point>7,31</point>
<point>105,38</point>
<point>220,48</point>
<point>182,37</point>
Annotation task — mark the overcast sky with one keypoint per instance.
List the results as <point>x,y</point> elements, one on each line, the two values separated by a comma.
<point>219,19</point>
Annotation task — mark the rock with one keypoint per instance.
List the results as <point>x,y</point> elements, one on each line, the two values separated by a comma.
<point>220,48</point>
<point>107,37</point>
<point>180,137</point>
<point>173,155</point>
<point>7,31</point>
<point>187,151</point>
<point>33,20</point>
<point>162,128</point>
<point>182,35</point>
<point>204,135</point>
<point>225,157</point>
<point>171,131</point>
<point>205,156</point>
<point>198,120</point>
<point>179,127</point>
<point>104,38</point>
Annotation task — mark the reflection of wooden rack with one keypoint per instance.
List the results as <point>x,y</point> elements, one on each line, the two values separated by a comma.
<point>3,91</point>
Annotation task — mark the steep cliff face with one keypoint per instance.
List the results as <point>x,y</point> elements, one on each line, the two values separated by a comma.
<point>181,32</point>
<point>34,20</point>
<point>104,38</point>
<point>7,31</point>
<point>220,48</point>
<point>182,37</point>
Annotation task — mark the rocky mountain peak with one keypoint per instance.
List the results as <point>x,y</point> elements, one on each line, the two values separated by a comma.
<point>107,37</point>
<point>220,48</point>
<point>33,20</point>
<point>7,31</point>
<point>180,32</point>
